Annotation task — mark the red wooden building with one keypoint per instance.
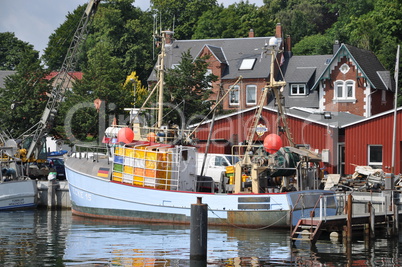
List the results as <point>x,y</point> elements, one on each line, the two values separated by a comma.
<point>308,128</point>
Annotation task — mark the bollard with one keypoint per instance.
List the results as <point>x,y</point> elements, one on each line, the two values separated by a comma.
<point>199,230</point>
<point>349,217</point>
<point>51,194</point>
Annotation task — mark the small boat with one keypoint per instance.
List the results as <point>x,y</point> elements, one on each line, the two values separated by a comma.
<point>153,179</point>
<point>16,190</point>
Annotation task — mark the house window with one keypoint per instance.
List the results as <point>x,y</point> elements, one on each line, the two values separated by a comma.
<point>344,68</point>
<point>247,64</point>
<point>207,74</point>
<point>234,95</point>
<point>375,156</point>
<point>251,94</point>
<point>298,89</point>
<point>344,91</point>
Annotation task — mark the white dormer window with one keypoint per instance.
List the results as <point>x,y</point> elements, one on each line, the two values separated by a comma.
<point>247,64</point>
<point>344,68</point>
<point>234,98</point>
<point>298,89</point>
<point>344,91</point>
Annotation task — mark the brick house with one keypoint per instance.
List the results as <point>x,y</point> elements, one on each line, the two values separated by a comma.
<point>326,98</point>
<point>228,60</point>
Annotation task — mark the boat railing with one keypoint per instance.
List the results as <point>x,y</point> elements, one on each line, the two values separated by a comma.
<point>323,202</point>
<point>92,152</point>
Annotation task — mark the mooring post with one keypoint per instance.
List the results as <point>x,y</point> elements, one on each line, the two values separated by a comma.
<point>371,219</point>
<point>51,194</point>
<point>199,231</point>
<point>349,217</point>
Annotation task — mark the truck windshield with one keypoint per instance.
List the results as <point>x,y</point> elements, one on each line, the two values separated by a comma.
<point>233,159</point>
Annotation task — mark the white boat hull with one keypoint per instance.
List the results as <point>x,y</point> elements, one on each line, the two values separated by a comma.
<point>99,197</point>
<point>18,195</point>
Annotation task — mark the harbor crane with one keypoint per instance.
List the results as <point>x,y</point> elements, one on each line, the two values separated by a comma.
<point>56,96</point>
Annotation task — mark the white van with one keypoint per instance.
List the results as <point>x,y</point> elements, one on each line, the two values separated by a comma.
<point>215,164</point>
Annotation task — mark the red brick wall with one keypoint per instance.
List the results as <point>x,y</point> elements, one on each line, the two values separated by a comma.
<point>358,107</point>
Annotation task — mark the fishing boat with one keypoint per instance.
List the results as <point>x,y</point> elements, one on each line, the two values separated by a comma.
<point>16,190</point>
<point>149,174</point>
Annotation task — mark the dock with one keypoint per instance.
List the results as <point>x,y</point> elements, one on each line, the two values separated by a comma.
<point>361,212</point>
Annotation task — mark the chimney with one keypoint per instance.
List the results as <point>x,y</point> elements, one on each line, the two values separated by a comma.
<point>288,49</point>
<point>335,47</point>
<point>251,33</point>
<point>278,30</point>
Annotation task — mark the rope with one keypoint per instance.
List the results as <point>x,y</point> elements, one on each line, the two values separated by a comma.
<point>246,228</point>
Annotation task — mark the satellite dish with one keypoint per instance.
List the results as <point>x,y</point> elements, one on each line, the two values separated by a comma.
<point>273,41</point>
<point>10,147</point>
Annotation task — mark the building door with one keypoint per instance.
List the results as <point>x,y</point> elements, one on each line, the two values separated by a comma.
<point>341,159</point>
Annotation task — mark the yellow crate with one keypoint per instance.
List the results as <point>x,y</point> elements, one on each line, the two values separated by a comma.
<point>119,150</point>
<point>128,169</point>
<point>129,152</point>
<point>118,174</point>
<point>139,180</point>
<point>139,171</point>
<point>117,179</point>
<point>139,152</point>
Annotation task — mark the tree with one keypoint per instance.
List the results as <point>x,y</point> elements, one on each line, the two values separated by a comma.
<point>233,22</point>
<point>314,45</point>
<point>12,51</point>
<point>181,16</point>
<point>103,79</point>
<point>186,87</point>
<point>60,41</point>
<point>24,97</point>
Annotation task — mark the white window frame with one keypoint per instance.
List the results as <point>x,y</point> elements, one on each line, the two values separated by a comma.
<point>298,86</point>
<point>342,93</point>
<point>250,94</point>
<point>207,73</point>
<point>374,164</point>
<point>236,92</point>
<point>247,64</point>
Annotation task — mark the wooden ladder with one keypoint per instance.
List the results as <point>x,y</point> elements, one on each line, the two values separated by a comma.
<point>312,225</point>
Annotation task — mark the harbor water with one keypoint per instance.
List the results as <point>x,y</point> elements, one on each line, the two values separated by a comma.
<point>57,238</point>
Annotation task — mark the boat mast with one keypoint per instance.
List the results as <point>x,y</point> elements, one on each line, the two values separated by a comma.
<point>162,76</point>
<point>395,108</point>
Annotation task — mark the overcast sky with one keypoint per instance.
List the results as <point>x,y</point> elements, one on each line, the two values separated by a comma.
<point>33,21</point>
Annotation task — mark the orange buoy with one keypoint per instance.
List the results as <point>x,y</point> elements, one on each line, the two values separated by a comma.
<point>151,137</point>
<point>272,143</point>
<point>125,135</point>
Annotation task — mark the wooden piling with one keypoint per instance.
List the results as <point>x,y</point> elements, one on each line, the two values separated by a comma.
<point>199,231</point>
<point>349,217</point>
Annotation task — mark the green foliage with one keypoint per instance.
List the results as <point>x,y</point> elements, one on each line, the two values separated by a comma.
<point>12,51</point>
<point>186,87</point>
<point>60,40</point>
<point>181,16</point>
<point>24,97</point>
<point>234,21</point>
<point>314,45</point>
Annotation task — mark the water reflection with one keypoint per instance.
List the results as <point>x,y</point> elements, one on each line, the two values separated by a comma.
<point>56,238</point>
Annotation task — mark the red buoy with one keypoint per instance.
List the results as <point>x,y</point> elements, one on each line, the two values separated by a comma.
<point>272,143</point>
<point>125,135</point>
